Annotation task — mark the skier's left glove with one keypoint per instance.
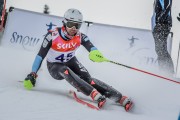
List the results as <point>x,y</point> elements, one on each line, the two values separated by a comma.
<point>30,81</point>
<point>96,56</point>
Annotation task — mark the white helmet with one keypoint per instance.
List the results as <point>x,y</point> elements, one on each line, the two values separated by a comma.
<point>73,15</point>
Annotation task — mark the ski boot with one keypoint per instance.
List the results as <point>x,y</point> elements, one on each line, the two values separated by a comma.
<point>101,101</point>
<point>126,103</point>
<point>96,96</point>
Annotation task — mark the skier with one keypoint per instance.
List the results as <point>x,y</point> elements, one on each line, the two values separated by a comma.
<point>60,45</point>
<point>161,26</point>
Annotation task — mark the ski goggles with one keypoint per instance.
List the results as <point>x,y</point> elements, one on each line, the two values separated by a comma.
<point>71,24</point>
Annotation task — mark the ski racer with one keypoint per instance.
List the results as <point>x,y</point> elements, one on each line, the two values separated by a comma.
<point>59,46</point>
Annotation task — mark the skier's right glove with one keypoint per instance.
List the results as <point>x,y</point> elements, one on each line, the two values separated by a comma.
<point>30,81</point>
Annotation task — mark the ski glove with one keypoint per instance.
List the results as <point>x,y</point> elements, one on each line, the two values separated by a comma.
<point>96,56</point>
<point>30,81</point>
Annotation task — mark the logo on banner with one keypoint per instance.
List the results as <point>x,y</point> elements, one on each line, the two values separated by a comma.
<point>50,26</point>
<point>151,60</point>
<point>27,42</point>
<point>132,41</point>
<point>142,53</point>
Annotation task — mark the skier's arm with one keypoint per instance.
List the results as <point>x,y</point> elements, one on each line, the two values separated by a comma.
<point>94,54</point>
<point>47,42</point>
<point>30,80</point>
<point>87,43</point>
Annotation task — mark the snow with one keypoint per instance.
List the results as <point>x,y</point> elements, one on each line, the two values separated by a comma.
<point>154,98</point>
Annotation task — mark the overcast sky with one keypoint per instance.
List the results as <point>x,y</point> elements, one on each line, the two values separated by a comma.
<point>130,13</point>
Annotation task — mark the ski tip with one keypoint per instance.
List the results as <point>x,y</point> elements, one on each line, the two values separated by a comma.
<point>20,81</point>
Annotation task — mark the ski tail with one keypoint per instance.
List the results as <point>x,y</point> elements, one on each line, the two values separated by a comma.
<point>79,100</point>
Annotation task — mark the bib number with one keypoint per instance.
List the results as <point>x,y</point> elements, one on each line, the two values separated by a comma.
<point>64,57</point>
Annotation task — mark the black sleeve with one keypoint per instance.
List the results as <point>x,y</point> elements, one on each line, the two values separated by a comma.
<point>46,45</point>
<point>86,42</point>
<point>163,15</point>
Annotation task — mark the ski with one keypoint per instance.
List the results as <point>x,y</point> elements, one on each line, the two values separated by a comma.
<point>79,100</point>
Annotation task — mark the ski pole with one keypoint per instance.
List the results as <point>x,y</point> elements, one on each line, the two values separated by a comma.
<point>142,71</point>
